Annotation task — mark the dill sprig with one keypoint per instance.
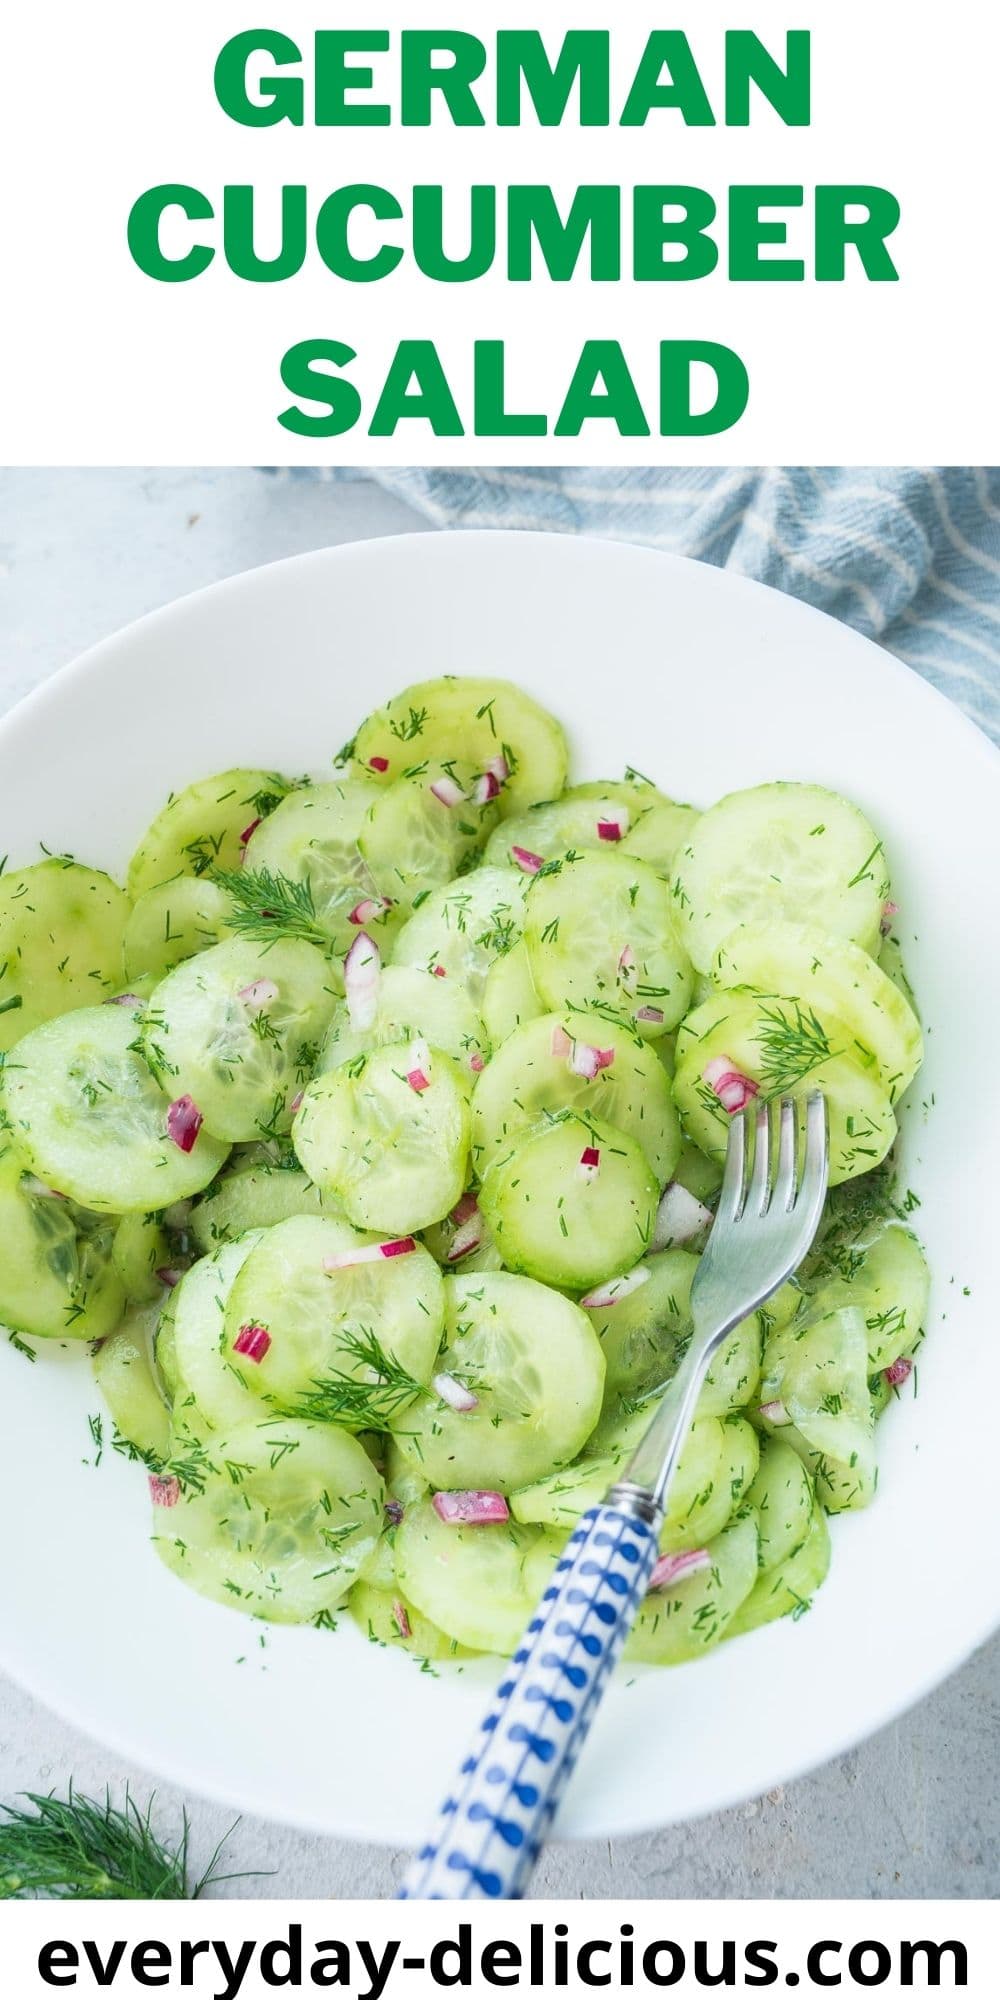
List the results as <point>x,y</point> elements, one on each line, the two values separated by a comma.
<point>363,1404</point>
<point>268,906</point>
<point>80,1847</point>
<point>791,1043</point>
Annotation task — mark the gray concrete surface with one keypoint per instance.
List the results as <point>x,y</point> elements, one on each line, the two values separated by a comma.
<point>914,1812</point>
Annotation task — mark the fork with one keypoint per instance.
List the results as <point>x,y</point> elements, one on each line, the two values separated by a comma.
<point>492,1826</point>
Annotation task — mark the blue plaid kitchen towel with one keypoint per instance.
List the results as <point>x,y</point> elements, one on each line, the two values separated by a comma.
<point>911,556</point>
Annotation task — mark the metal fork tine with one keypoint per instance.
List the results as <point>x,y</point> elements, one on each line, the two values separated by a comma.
<point>812,1189</point>
<point>731,1194</point>
<point>783,1196</point>
<point>756,1200</point>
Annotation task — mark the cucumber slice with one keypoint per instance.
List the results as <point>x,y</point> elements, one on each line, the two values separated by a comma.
<point>783,851</point>
<point>396,1153</point>
<point>57,1278</point>
<point>173,922</point>
<point>312,839</point>
<point>350,1346</point>
<point>124,1373</point>
<point>659,831</point>
<point>531,1077</point>
<point>388,1619</point>
<point>701,1176</point>
<point>686,1618</point>
<point>817,1370</point>
<point>571,823</point>
<point>412,1006</point>
<point>789,1587</point>
<point>601,933</point>
<point>829,977</point>
<point>238,1029</point>
<point>280,1521</point>
<point>884,1272</point>
<point>717,1465</point>
<point>468,1580</point>
<point>782,1498</point>
<point>455,727</point>
<point>254,1198</point>
<point>572,1202</point>
<point>534,1363</point>
<point>206,1391</point>
<point>509,997</point>
<point>412,841</point>
<point>786,1050</point>
<point>89,1118</point>
<point>890,959</point>
<point>733,1378</point>
<point>141,1249</point>
<point>61,931</point>
<point>202,827</point>
<point>644,1330</point>
<point>459,931</point>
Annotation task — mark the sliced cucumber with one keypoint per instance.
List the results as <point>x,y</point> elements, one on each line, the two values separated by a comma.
<point>784,1049</point>
<point>172,922</point>
<point>388,1619</point>
<point>412,840</point>
<point>601,933</point>
<point>468,1580</point>
<point>532,1077</point>
<point>732,1380</point>
<point>312,839</point>
<point>891,961</point>
<point>717,1465</point>
<point>124,1373</point>
<point>395,1151</point>
<point>883,1272</point>
<point>89,1118</point>
<point>352,1345</point>
<point>685,1618</point>
<point>239,1029</point>
<point>644,1329</point>
<point>571,1202</point>
<point>509,997</point>
<point>787,1588</point>
<point>456,727</point>
<point>534,1364</point>
<point>412,1006</point>
<point>782,1498</point>
<point>57,1277</point>
<point>660,830</point>
<point>460,930</point>
<point>254,1198</point>
<point>61,932</point>
<point>205,1389</point>
<point>785,851</point>
<point>203,827</point>
<point>817,1371</point>
<point>830,977</point>
<point>141,1250</point>
<point>281,1521</point>
<point>592,816</point>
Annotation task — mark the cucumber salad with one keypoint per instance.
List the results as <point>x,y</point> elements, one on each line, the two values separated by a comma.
<point>370,1137</point>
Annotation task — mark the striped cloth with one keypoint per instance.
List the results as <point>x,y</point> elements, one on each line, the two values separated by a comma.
<point>909,556</point>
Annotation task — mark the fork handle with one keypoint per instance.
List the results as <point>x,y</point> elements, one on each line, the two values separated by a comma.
<point>491,1827</point>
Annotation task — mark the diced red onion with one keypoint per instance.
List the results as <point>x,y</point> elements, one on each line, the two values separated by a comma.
<point>260,994</point>
<point>419,1075</point>
<point>498,768</point>
<point>184,1122</point>
<point>454,1393</point>
<point>448,791</point>
<point>898,1372</point>
<point>253,1341</point>
<point>464,1208</point>
<point>362,968</point>
<point>652,1014</point>
<point>169,1275</point>
<point>614,1289</point>
<point>418,1080</point>
<point>369,908</point>
<point>670,1569</point>
<point>626,959</point>
<point>775,1413</point>
<point>469,1229</point>
<point>296,1101</point>
<point>476,1507</point>
<point>378,763</point>
<point>528,862</point>
<point>486,789</point>
<point>400,1620</point>
<point>30,1184</point>
<point>733,1090</point>
<point>369,1253</point>
<point>889,910</point>
<point>248,832</point>
<point>562,1043</point>
<point>394,1511</point>
<point>589,1164</point>
<point>124,1000</point>
<point>614,825</point>
<point>477,1062</point>
<point>679,1217</point>
<point>440,972</point>
<point>585,1060</point>
<point>164,1491</point>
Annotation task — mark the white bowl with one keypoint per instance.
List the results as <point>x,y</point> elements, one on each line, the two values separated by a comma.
<point>707,682</point>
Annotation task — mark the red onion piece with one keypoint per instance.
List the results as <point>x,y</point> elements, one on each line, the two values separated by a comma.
<point>585,1060</point>
<point>169,1275</point>
<point>369,1253</point>
<point>184,1122</point>
<point>400,1620</point>
<point>440,972</point>
<point>369,909</point>
<point>253,1341</point>
<point>649,1014</point>
<point>296,1101</point>
<point>478,1508</point>
<point>447,791</point>
<point>775,1413</point>
<point>394,1511</point>
<point>30,1184</point>
<point>733,1090</point>
<point>670,1569</point>
<point>260,994</point>
<point>889,910</point>
<point>626,959</point>
<point>454,1393</point>
<point>679,1217</point>
<point>498,768</point>
<point>614,825</point>
<point>418,1080</point>
<point>124,1000</point>
<point>378,763</point>
<point>614,1289</point>
<point>464,1208</point>
<point>589,1164</point>
<point>477,1062</point>
<point>485,789</point>
<point>529,863</point>
<point>249,831</point>
<point>468,1231</point>
<point>362,968</point>
<point>561,1043</point>
<point>898,1372</point>
<point>164,1491</point>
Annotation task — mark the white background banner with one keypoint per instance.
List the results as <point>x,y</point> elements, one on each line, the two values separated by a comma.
<point>102,364</point>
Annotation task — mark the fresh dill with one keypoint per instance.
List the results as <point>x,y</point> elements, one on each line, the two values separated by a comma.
<point>267,906</point>
<point>792,1042</point>
<point>79,1847</point>
<point>366,1399</point>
